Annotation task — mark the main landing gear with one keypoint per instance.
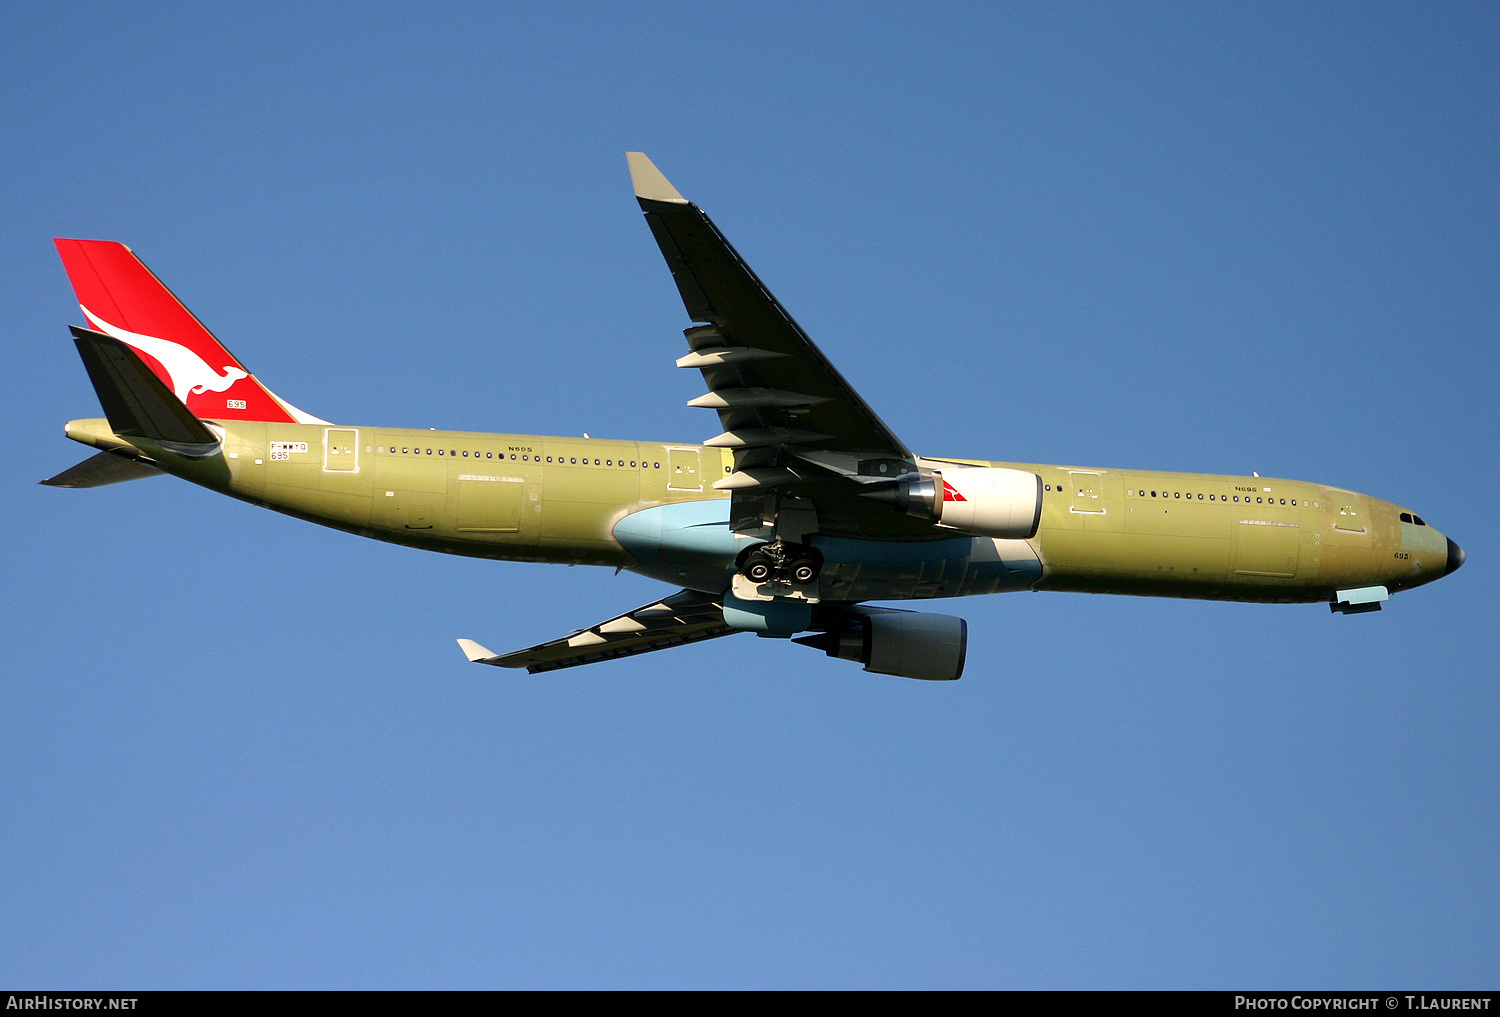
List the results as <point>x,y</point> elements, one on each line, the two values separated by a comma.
<point>780,561</point>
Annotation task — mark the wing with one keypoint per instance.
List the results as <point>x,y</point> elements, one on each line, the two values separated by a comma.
<point>685,617</point>
<point>796,426</point>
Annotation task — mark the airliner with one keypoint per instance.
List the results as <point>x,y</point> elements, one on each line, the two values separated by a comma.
<point>793,522</point>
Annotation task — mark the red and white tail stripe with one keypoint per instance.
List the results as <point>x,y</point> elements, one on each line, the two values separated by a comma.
<point>122,298</point>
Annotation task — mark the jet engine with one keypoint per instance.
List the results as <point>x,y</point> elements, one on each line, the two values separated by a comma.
<point>902,643</point>
<point>986,501</point>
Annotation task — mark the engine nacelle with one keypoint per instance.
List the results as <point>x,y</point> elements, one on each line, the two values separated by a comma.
<point>903,643</point>
<point>990,502</point>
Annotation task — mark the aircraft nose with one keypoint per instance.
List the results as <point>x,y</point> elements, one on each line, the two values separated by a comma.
<point>1455,557</point>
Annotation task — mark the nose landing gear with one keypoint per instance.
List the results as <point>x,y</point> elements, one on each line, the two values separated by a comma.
<point>781,561</point>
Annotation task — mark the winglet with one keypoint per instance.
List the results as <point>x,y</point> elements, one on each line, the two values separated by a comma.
<point>476,653</point>
<point>649,183</point>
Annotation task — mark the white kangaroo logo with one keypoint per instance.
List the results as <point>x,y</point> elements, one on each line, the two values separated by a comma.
<point>189,372</point>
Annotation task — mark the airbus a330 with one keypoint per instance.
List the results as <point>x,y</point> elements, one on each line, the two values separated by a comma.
<point>787,524</point>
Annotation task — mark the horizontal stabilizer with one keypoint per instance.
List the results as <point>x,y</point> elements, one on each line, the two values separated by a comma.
<point>685,617</point>
<point>104,468</point>
<point>137,402</point>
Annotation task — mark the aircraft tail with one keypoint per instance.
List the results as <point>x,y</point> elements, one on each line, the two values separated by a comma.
<point>137,401</point>
<point>121,298</point>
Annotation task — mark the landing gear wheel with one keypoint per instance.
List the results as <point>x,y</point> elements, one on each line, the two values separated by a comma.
<point>781,562</point>
<point>758,568</point>
<point>803,571</point>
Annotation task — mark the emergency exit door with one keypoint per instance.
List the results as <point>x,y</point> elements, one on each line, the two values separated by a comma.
<point>341,450</point>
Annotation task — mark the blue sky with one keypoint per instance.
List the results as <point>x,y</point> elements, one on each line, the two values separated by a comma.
<point>242,751</point>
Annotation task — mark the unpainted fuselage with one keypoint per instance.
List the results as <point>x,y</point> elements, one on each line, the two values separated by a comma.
<point>650,508</point>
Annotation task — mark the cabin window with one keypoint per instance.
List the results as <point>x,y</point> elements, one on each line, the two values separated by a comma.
<point>574,461</point>
<point>632,464</point>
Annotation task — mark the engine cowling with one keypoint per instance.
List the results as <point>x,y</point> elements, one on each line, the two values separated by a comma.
<point>985,501</point>
<point>990,501</point>
<point>908,644</point>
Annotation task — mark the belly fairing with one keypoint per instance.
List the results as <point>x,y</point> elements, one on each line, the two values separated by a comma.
<point>691,544</point>
<point>687,542</point>
<point>906,570</point>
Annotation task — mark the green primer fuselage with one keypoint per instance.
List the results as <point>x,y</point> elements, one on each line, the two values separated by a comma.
<point>553,499</point>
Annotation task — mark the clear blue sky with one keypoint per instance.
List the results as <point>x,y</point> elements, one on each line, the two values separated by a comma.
<point>240,750</point>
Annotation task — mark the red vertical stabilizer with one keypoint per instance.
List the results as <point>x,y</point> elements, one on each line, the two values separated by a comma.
<point>122,298</point>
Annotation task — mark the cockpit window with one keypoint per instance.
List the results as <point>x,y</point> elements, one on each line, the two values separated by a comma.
<point>1406,517</point>
<point>1418,520</point>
